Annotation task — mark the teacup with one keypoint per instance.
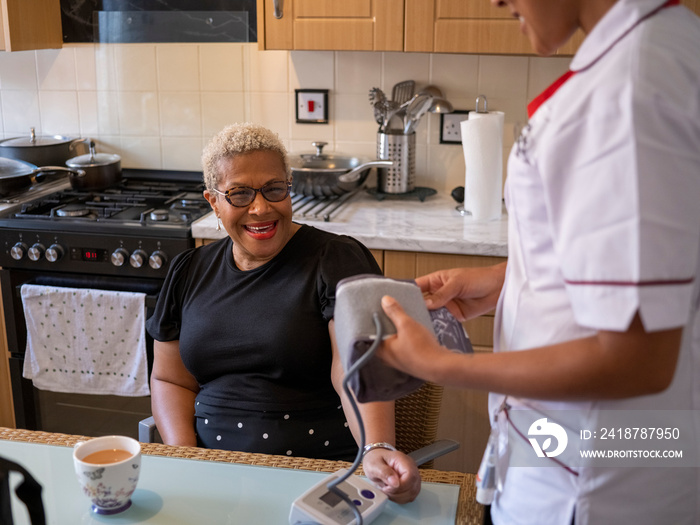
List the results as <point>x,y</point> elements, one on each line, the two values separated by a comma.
<point>108,469</point>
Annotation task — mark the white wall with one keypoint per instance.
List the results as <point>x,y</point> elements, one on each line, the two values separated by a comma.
<point>158,104</point>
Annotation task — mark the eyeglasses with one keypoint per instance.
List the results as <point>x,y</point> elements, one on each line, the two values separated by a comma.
<point>241,196</point>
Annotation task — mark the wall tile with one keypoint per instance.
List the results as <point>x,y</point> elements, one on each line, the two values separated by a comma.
<point>354,120</point>
<point>20,111</point>
<point>56,69</point>
<point>357,72</point>
<point>178,67</point>
<point>544,71</point>
<point>105,67</point>
<point>141,152</point>
<point>221,67</point>
<point>85,66</point>
<point>272,111</point>
<point>405,66</point>
<point>456,75</point>
<point>311,70</point>
<point>181,153</point>
<point>136,67</point>
<point>59,113</point>
<point>18,70</point>
<point>502,76</point>
<point>265,71</point>
<point>108,113</point>
<point>221,109</point>
<point>88,113</point>
<point>138,113</point>
<point>180,114</point>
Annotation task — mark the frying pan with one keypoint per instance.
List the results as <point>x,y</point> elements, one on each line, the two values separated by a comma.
<point>16,175</point>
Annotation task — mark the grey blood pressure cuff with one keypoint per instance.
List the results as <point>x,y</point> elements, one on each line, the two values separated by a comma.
<point>358,298</point>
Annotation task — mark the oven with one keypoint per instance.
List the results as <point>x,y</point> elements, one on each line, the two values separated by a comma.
<point>119,239</point>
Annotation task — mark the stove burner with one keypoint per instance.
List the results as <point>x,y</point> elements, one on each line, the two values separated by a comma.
<point>419,192</point>
<point>159,215</point>
<point>73,210</point>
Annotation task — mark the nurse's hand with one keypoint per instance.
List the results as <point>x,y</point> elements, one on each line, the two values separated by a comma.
<point>414,349</point>
<point>394,473</point>
<point>465,292</point>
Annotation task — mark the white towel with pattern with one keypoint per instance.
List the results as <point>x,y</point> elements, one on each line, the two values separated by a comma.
<point>85,341</point>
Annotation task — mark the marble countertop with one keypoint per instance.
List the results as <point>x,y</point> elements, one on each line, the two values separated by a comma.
<point>433,225</point>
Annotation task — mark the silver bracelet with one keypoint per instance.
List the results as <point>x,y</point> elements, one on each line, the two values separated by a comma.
<point>381,444</point>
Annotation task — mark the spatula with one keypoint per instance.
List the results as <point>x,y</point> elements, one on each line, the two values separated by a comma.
<point>403,91</point>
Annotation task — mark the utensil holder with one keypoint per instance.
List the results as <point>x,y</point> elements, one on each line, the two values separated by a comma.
<point>400,148</point>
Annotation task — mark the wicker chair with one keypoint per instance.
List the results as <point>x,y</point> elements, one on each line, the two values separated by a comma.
<point>416,416</point>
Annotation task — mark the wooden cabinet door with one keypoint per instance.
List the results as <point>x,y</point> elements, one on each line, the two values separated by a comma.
<point>34,24</point>
<point>359,25</point>
<point>474,26</point>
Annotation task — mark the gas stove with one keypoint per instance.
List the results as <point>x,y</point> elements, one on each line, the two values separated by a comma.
<point>132,228</point>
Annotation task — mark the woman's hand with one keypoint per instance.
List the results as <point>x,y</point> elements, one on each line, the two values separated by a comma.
<point>465,292</point>
<point>394,473</point>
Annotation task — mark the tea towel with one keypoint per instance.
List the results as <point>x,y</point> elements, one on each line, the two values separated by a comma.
<point>85,341</point>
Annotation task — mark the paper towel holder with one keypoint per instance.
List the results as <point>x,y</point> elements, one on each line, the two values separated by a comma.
<point>486,104</point>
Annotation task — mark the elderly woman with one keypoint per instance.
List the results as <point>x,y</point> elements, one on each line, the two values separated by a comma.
<point>245,357</point>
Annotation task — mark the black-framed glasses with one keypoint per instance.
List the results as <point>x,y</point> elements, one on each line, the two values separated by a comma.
<point>241,196</point>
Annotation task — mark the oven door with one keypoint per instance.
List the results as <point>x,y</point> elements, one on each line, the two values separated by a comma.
<point>90,415</point>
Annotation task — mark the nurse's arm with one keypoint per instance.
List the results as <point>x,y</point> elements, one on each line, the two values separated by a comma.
<point>608,365</point>
<point>173,391</point>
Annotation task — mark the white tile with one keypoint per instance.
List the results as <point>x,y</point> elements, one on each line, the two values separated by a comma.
<point>138,113</point>
<point>447,168</point>
<point>456,75</point>
<point>272,111</point>
<point>88,113</point>
<point>141,152</point>
<point>311,70</point>
<point>59,112</point>
<point>220,110</point>
<point>180,114</point>
<point>85,65</point>
<point>357,72</point>
<point>18,70</point>
<point>266,71</point>
<point>503,76</point>
<point>405,66</point>
<point>221,67</point>
<point>136,67</point>
<point>543,71</point>
<point>367,150</point>
<point>354,120</point>
<point>180,153</point>
<point>178,67</point>
<point>56,69</point>
<point>20,111</point>
<point>105,67</point>
<point>107,113</point>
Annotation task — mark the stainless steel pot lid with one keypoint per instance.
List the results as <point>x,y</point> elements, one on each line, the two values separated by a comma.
<point>32,140</point>
<point>324,162</point>
<point>93,161</point>
<point>15,168</point>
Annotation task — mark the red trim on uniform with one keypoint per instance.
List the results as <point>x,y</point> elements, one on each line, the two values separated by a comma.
<point>671,282</point>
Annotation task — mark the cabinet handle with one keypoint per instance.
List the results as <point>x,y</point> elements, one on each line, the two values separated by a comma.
<point>279,8</point>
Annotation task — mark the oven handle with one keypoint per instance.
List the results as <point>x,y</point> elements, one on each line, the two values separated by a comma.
<point>150,288</point>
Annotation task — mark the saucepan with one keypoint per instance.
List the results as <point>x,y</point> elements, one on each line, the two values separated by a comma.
<point>16,175</point>
<point>42,150</point>
<point>327,175</point>
<point>100,170</point>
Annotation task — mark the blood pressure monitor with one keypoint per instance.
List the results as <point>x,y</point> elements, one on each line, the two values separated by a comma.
<point>320,505</point>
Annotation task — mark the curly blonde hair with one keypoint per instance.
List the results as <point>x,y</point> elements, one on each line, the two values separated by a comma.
<point>238,139</point>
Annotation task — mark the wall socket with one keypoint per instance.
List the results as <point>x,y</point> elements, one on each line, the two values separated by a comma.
<point>311,106</point>
<point>450,130</point>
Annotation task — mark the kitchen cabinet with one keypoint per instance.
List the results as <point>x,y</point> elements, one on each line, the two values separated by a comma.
<point>7,417</point>
<point>26,25</point>
<point>359,25</point>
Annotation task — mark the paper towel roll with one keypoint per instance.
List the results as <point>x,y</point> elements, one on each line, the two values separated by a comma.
<point>482,142</point>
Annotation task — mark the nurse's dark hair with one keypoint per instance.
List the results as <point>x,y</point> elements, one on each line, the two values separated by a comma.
<point>239,139</point>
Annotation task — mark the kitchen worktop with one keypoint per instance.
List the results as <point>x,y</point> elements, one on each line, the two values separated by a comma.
<point>433,225</point>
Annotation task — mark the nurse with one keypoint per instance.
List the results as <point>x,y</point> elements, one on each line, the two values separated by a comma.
<point>598,306</point>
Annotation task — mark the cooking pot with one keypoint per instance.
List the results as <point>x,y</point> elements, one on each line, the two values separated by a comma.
<point>16,175</point>
<point>99,170</point>
<point>52,150</point>
<point>325,175</point>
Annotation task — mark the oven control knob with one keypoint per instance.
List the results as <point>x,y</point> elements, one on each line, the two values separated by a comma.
<point>119,257</point>
<point>157,260</point>
<point>138,258</point>
<point>54,252</point>
<point>18,251</point>
<point>36,252</point>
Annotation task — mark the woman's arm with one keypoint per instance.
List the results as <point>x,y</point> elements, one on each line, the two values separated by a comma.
<point>173,391</point>
<point>608,365</point>
<point>394,472</point>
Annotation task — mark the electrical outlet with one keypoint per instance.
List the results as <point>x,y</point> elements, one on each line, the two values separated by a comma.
<point>450,130</point>
<point>312,106</point>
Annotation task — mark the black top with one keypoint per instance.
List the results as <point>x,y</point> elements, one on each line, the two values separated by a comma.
<point>258,339</point>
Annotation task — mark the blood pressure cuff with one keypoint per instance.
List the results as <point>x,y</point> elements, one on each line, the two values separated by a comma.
<point>357,299</point>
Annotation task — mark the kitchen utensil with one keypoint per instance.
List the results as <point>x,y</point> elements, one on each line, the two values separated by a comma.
<point>16,175</point>
<point>100,170</point>
<point>52,150</point>
<point>377,99</point>
<point>401,149</point>
<point>433,105</point>
<point>403,91</point>
<point>320,174</point>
